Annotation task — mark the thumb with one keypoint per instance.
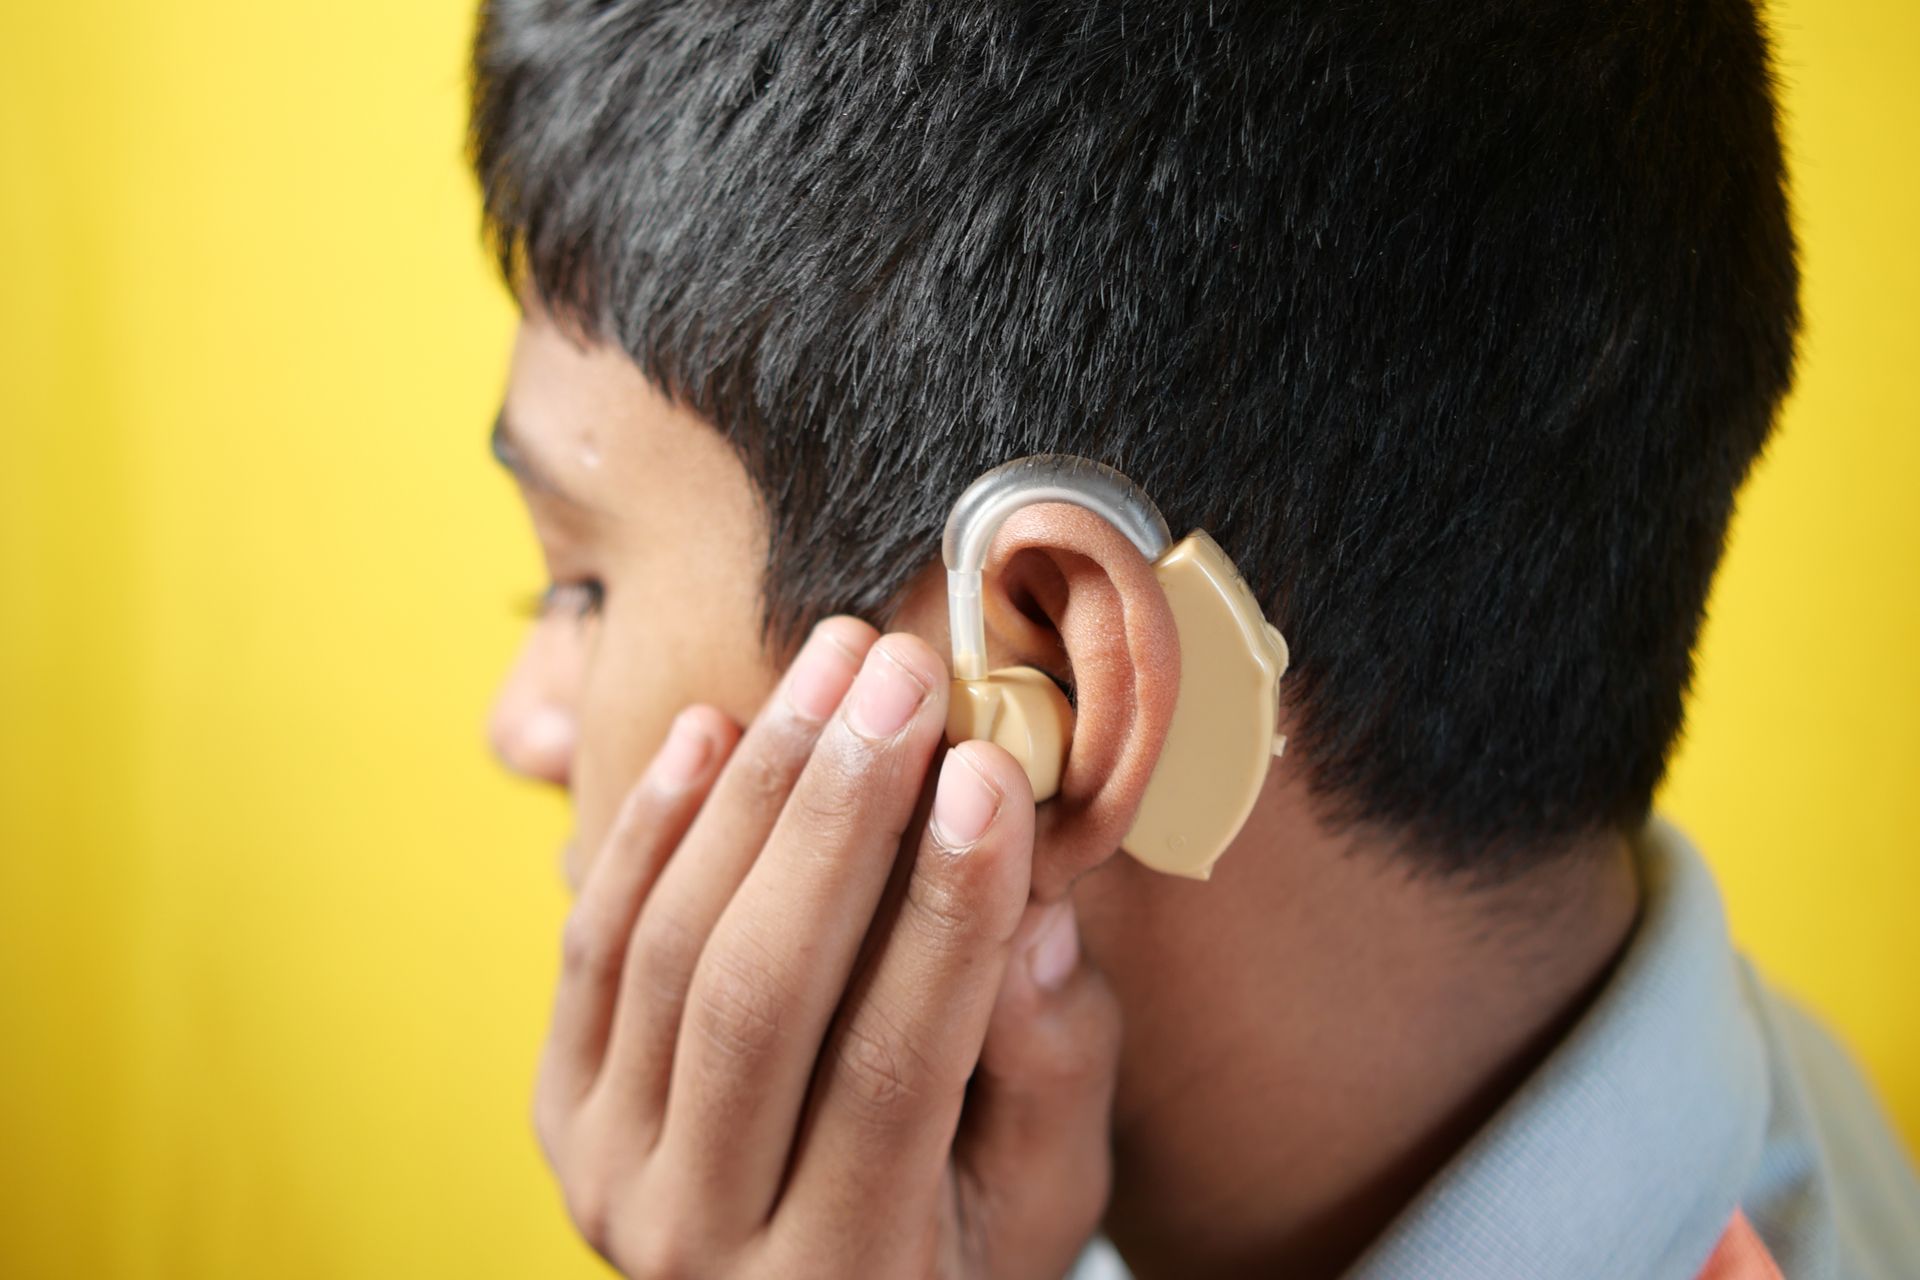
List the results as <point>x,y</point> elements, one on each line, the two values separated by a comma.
<point>1034,1143</point>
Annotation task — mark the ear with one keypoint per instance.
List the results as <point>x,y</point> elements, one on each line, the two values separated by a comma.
<point>1066,592</point>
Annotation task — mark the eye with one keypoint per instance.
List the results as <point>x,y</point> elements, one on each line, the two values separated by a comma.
<point>580,599</point>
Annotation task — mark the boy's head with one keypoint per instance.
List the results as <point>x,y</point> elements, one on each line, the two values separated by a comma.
<point>1458,327</point>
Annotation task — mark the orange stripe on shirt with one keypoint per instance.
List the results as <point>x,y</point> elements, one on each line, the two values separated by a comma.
<point>1740,1255</point>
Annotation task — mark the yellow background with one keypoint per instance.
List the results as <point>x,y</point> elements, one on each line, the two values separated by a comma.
<point>276,940</point>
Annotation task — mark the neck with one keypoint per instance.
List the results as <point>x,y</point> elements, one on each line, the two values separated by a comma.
<point>1313,1032</point>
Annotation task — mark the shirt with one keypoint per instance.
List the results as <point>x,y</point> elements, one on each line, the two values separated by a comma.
<point>1694,1122</point>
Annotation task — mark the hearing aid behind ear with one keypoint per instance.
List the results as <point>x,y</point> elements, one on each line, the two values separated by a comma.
<point>1221,740</point>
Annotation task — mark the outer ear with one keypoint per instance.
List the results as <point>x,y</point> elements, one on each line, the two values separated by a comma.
<point>1066,592</point>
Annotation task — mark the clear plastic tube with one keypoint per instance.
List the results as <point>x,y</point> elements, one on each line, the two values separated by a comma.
<point>985,506</point>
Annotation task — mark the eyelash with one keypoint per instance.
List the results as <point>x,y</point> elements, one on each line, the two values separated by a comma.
<point>583,598</point>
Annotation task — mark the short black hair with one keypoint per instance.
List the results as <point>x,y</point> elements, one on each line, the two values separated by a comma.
<point>1457,325</point>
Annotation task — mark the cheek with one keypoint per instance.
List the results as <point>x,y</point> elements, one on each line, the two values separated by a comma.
<point>647,665</point>
<point>623,717</point>
<point>634,686</point>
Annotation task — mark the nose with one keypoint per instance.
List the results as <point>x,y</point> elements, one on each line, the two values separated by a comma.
<point>531,727</point>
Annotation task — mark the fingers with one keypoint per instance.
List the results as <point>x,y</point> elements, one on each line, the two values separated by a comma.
<point>778,960</point>
<point>652,818</point>
<point>713,858</point>
<point>1039,1111</point>
<point>894,1069</point>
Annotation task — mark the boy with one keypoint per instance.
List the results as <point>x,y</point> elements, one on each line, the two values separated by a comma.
<point>1458,327</point>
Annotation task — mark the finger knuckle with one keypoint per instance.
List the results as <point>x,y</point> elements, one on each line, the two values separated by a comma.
<point>642,1238</point>
<point>661,1253</point>
<point>589,947</point>
<point>885,1065</point>
<point>589,1200</point>
<point>830,801</point>
<point>943,904</point>
<point>765,770</point>
<point>879,1074</point>
<point>659,970</point>
<point>977,892</point>
<point>737,1008</point>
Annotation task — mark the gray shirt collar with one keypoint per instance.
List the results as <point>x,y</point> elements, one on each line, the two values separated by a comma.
<point>1665,1075</point>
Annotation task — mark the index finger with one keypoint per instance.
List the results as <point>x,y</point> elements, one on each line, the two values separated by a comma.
<point>723,842</point>
<point>887,1098</point>
<point>780,956</point>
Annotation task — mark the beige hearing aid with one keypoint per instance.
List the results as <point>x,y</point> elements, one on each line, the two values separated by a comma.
<point>1221,740</point>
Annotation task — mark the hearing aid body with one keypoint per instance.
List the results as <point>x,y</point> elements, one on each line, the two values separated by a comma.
<point>1221,740</point>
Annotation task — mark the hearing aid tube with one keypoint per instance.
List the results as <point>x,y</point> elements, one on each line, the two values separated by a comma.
<point>985,506</point>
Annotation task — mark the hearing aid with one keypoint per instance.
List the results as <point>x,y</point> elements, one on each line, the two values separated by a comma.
<point>1221,739</point>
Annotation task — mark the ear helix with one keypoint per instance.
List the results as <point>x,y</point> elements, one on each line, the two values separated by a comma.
<point>1220,742</point>
<point>1019,708</point>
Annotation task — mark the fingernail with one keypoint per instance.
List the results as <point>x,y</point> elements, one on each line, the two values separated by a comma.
<point>964,803</point>
<point>819,675</point>
<point>1054,953</point>
<point>885,696</point>
<point>685,752</point>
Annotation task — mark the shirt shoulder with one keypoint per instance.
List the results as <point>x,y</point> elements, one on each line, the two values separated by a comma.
<point>1689,1097</point>
<point>1833,1193</point>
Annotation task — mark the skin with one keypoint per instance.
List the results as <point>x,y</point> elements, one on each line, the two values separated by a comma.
<point>1273,1061</point>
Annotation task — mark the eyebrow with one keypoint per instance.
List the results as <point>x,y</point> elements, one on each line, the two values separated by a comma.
<point>509,450</point>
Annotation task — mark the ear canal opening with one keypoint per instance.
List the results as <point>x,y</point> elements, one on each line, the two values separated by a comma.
<point>1066,687</point>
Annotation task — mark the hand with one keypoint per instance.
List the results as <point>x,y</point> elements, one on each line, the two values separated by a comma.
<point>768,1021</point>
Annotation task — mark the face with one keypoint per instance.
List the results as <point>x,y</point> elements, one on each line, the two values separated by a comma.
<point>654,548</point>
